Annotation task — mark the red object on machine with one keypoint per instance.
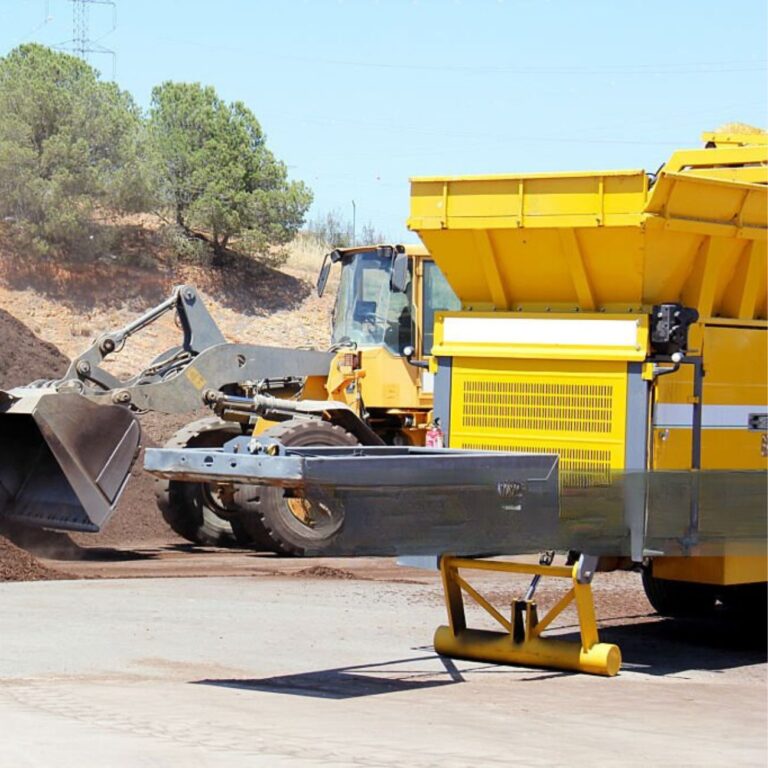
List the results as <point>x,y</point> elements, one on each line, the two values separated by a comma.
<point>434,438</point>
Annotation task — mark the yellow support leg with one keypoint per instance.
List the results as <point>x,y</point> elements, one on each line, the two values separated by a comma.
<point>521,642</point>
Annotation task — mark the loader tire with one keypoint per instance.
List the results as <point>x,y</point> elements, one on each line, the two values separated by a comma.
<point>193,509</point>
<point>290,524</point>
<point>679,599</point>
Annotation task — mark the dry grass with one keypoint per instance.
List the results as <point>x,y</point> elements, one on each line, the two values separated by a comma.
<point>305,254</point>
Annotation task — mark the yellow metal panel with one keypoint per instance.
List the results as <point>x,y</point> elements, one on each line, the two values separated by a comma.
<point>689,159</point>
<point>731,569</point>
<point>740,297</point>
<point>736,374</point>
<point>671,448</point>
<point>751,173</point>
<point>314,388</point>
<point>703,200</point>
<point>535,200</point>
<point>575,261</point>
<point>716,264</point>
<point>574,409</point>
<point>737,139</point>
<point>488,260</point>
<point>385,381</point>
<point>720,449</point>
<point>614,261</point>
<point>736,365</point>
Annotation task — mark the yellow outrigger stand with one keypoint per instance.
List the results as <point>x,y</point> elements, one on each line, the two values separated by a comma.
<point>522,643</point>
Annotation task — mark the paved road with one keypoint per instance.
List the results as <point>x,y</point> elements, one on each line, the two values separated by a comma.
<point>282,671</point>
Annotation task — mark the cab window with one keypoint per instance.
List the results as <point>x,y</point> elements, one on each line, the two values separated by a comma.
<point>438,297</point>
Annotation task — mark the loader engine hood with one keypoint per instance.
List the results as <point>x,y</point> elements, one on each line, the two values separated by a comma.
<point>64,460</point>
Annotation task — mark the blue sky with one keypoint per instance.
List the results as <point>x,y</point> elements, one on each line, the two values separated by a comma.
<point>356,96</point>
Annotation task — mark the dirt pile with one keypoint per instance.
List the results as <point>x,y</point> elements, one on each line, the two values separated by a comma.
<point>137,520</point>
<point>24,357</point>
<point>17,564</point>
<point>324,572</point>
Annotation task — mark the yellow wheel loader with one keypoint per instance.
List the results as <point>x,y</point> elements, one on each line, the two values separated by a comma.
<point>66,446</point>
<point>65,461</point>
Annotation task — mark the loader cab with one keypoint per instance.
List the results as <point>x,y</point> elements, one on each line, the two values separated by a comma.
<point>387,297</point>
<point>386,302</point>
<point>371,310</point>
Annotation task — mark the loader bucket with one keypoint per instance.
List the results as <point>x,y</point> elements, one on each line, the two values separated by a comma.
<point>64,460</point>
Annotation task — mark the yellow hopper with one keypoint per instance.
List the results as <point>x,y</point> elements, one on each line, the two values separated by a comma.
<point>614,241</point>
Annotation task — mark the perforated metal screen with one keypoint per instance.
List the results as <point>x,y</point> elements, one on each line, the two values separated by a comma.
<point>576,409</point>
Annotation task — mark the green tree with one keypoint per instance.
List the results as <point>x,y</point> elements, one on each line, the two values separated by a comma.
<point>219,180</point>
<point>71,150</point>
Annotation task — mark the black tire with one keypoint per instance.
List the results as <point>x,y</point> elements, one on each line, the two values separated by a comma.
<point>274,514</point>
<point>747,605</point>
<point>193,509</point>
<point>679,599</point>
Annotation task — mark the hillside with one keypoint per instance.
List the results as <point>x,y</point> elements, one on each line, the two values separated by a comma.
<point>71,306</point>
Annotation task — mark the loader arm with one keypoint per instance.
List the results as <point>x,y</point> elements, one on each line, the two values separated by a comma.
<point>67,445</point>
<point>176,379</point>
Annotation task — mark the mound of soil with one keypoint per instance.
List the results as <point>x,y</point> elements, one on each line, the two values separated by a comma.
<point>24,357</point>
<point>17,564</point>
<point>324,572</point>
<point>137,520</point>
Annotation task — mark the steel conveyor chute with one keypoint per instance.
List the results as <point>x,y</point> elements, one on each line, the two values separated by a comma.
<point>395,500</point>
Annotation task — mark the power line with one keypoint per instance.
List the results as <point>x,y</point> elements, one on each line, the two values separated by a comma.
<point>47,18</point>
<point>577,70</point>
<point>82,44</point>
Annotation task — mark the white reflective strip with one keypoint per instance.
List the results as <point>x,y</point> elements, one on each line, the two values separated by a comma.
<point>556,332</point>
<point>712,416</point>
<point>427,382</point>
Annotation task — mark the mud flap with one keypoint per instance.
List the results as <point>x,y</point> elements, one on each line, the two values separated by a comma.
<point>64,460</point>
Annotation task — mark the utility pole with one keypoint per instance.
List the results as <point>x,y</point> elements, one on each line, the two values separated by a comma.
<point>82,44</point>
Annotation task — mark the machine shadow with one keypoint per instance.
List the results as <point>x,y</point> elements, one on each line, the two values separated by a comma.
<point>676,646</point>
<point>351,682</point>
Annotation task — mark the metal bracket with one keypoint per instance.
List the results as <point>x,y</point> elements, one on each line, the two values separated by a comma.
<point>585,568</point>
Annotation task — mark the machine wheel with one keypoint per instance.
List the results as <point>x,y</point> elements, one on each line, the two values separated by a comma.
<point>289,523</point>
<point>679,599</point>
<point>747,604</point>
<point>193,509</point>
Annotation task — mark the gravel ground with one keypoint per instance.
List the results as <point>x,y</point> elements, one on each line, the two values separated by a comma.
<point>281,671</point>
